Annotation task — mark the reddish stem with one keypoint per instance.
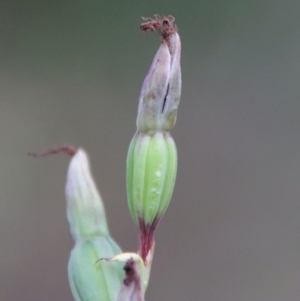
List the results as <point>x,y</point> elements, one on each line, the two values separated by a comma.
<point>146,237</point>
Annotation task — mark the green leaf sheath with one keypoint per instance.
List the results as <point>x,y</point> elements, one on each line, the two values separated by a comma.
<point>91,281</point>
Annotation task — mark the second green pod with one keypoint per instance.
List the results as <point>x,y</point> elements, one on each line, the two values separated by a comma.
<point>151,174</point>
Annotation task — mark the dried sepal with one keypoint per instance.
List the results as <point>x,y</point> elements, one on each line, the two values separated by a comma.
<point>164,25</point>
<point>161,90</point>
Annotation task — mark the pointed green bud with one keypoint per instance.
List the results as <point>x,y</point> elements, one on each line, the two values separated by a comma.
<point>85,210</point>
<point>151,174</point>
<point>91,280</point>
<point>161,90</point>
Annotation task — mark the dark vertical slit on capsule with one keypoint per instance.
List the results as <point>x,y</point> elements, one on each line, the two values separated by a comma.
<point>165,99</point>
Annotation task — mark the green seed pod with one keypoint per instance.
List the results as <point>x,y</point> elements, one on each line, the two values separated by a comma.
<point>152,155</point>
<point>91,281</point>
<point>151,174</point>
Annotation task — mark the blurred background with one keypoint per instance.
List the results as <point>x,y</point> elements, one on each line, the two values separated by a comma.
<point>71,72</point>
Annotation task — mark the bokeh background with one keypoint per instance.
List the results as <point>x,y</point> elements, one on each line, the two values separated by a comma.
<point>71,71</point>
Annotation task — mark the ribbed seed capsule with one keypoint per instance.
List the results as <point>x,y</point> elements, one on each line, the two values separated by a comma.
<point>152,156</point>
<point>151,174</point>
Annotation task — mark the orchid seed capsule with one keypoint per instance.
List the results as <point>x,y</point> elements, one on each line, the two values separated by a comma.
<point>151,174</point>
<point>152,154</point>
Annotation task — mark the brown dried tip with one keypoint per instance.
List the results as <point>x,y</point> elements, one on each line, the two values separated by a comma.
<point>164,25</point>
<point>67,149</point>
